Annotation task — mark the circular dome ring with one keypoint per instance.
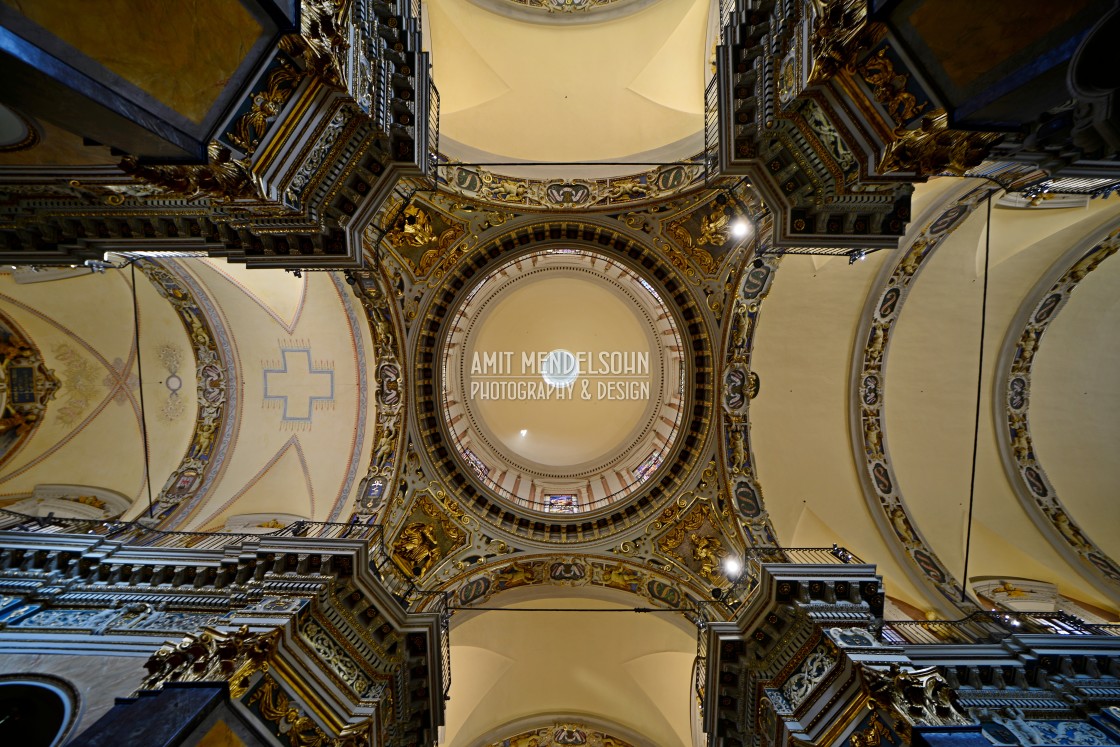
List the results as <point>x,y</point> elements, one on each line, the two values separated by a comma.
<point>581,443</point>
<point>697,360</point>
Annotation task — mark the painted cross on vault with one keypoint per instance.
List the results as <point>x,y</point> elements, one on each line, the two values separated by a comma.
<point>298,385</point>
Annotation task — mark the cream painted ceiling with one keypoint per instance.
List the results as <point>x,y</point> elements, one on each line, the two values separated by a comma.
<point>512,89</point>
<point>1074,406</point>
<point>803,354</point>
<point>91,432</point>
<point>617,668</point>
<point>301,461</point>
<point>574,314</point>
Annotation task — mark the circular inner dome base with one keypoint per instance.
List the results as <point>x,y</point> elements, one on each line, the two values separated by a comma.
<point>562,381</point>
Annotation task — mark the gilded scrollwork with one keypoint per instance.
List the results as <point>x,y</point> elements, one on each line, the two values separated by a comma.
<point>890,86</point>
<point>211,655</point>
<point>222,177</point>
<point>265,105</point>
<point>932,148</point>
<point>484,185</point>
<point>477,585</point>
<point>422,236</point>
<point>840,31</point>
<point>291,724</point>
<point>921,697</point>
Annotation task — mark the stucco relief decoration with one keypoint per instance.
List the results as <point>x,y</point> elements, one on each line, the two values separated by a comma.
<point>1014,729</point>
<point>79,388</point>
<point>739,385</point>
<point>211,655</point>
<point>921,697</point>
<point>427,537</point>
<point>705,233</point>
<point>809,675</point>
<point>558,194</point>
<point>171,358</point>
<point>889,81</point>
<point>879,729</point>
<point>1033,485</point>
<point>291,722</point>
<point>562,734</point>
<point>697,543</point>
<point>567,6</point>
<point>421,235</point>
<point>26,386</point>
<point>140,616</point>
<point>372,292</point>
<point>932,148</point>
<point>825,132</point>
<point>478,586</point>
<point>222,177</point>
<point>870,387</point>
<point>334,656</point>
<point>213,354</point>
<point>838,33</point>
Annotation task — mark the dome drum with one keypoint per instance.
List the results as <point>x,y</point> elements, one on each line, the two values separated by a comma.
<point>601,450</point>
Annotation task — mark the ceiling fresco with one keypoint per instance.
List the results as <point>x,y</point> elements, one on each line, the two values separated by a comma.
<point>92,414</point>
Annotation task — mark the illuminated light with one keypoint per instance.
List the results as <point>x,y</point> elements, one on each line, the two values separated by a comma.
<point>524,433</point>
<point>732,566</point>
<point>560,368</point>
<point>740,228</point>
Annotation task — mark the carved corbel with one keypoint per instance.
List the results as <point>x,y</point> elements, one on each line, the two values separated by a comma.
<point>921,697</point>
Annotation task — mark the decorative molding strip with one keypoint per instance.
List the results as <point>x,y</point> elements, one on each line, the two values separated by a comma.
<point>739,385</point>
<point>869,440</point>
<point>478,586</point>
<point>564,12</point>
<point>376,296</point>
<point>1012,404</point>
<point>487,186</point>
<point>216,367</point>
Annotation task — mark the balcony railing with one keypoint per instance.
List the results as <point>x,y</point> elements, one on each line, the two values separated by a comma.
<point>711,129</point>
<point>136,533</point>
<point>989,627</point>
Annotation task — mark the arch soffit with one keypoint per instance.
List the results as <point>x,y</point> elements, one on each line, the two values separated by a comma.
<point>546,727</point>
<point>867,388</point>
<point>550,573</point>
<point>739,475</point>
<point>65,691</point>
<point>1011,405</point>
<point>218,412</point>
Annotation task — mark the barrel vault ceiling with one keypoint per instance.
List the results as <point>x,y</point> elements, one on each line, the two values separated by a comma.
<point>283,378</point>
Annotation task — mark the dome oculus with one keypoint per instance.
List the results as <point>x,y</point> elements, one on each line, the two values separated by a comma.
<point>562,381</point>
